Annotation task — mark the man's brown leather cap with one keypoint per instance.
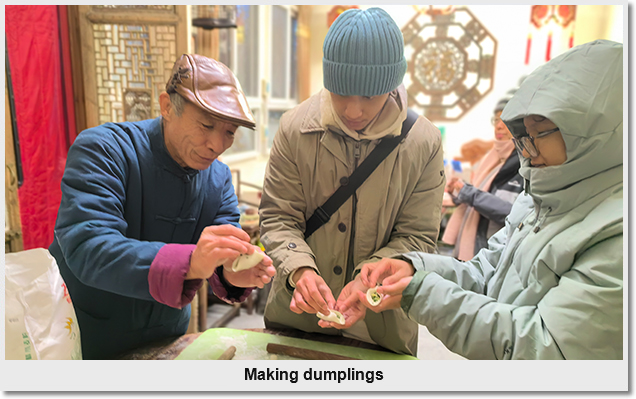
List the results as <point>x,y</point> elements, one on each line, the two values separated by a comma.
<point>211,86</point>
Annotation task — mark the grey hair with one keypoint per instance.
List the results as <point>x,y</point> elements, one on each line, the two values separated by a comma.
<point>178,103</point>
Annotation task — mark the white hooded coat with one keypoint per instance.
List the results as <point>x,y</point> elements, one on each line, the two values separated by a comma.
<point>550,283</point>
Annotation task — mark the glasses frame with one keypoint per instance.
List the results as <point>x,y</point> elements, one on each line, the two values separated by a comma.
<point>526,142</point>
<point>494,120</point>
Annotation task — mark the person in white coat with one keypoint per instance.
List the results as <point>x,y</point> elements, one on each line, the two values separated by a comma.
<point>550,283</point>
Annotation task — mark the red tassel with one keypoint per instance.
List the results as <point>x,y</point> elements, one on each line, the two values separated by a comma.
<point>549,47</point>
<point>571,40</point>
<point>528,44</point>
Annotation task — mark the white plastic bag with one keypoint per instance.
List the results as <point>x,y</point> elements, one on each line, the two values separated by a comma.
<point>40,321</point>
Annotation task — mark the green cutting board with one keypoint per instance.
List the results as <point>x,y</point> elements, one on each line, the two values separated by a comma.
<point>251,345</point>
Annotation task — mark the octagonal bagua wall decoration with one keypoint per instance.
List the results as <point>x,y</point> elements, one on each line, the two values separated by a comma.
<point>451,63</point>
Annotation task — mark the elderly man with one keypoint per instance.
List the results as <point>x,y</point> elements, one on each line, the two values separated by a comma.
<point>148,213</point>
<point>319,145</point>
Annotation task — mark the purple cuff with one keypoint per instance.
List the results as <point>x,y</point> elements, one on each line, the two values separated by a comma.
<point>237,294</point>
<point>166,278</point>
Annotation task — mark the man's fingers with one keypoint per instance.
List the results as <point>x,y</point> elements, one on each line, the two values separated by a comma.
<point>303,303</point>
<point>298,305</point>
<point>311,294</point>
<point>223,256</point>
<point>327,295</point>
<point>329,324</point>
<point>293,307</point>
<point>265,278</point>
<point>210,244</point>
<point>364,274</point>
<point>378,272</point>
<point>316,301</point>
<point>265,270</point>
<point>228,230</point>
<point>267,261</point>
<point>348,302</point>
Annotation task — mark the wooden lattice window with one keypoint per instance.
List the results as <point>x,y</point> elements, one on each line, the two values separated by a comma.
<point>127,53</point>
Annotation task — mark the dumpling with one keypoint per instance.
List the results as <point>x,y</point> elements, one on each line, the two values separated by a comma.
<point>333,316</point>
<point>373,297</point>
<point>244,262</point>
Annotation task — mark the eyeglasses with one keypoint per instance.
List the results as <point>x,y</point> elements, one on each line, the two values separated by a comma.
<point>494,120</point>
<point>527,142</point>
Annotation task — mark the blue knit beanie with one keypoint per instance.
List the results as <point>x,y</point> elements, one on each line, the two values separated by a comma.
<point>363,54</point>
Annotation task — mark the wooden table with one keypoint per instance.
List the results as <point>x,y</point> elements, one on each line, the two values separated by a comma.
<point>169,349</point>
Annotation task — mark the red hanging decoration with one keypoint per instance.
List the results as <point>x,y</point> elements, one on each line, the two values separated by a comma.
<point>528,45</point>
<point>556,24</point>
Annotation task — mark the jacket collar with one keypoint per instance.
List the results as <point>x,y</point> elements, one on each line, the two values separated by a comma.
<point>311,121</point>
<point>335,143</point>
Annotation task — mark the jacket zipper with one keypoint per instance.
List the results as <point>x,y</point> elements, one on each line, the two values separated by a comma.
<point>350,265</point>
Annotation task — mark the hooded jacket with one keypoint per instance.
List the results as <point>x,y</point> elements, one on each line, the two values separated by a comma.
<point>550,283</point>
<point>397,209</point>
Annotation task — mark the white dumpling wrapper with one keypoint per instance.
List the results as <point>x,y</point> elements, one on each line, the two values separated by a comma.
<point>244,262</point>
<point>333,316</point>
<point>373,297</point>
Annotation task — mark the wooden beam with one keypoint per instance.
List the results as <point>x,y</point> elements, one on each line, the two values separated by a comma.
<point>304,48</point>
<point>87,50</point>
<point>134,17</point>
<point>76,67</point>
<point>183,33</point>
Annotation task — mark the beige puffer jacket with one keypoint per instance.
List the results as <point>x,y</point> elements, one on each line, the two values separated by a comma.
<point>397,209</point>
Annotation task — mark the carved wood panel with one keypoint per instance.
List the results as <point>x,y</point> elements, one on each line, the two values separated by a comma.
<point>127,53</point>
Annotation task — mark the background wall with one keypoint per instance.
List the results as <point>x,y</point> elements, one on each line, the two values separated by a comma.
<point>509,24</point>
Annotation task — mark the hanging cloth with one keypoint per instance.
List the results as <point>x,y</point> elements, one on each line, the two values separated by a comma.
<point>33,44</point>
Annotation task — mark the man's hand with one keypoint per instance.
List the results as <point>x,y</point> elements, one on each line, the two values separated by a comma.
<point>354,311</point>
<point>312,294</point>
<point>394,275</point>
<point>256,276</point>
<point>216,246</point>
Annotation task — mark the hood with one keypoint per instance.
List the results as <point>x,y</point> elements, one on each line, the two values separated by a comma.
<point>581,91</point>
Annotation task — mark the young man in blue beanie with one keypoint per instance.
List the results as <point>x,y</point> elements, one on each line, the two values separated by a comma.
<point>319,144</point>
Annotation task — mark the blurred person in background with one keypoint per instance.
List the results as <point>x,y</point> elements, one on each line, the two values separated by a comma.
<point>484,204</point>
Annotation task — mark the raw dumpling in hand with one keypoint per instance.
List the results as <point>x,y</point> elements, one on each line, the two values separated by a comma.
<point>333,316</point>
<point>244,262</point>
<point>373,297</point>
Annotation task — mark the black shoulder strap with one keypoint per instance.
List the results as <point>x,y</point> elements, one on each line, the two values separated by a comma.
<point>323,213</point>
